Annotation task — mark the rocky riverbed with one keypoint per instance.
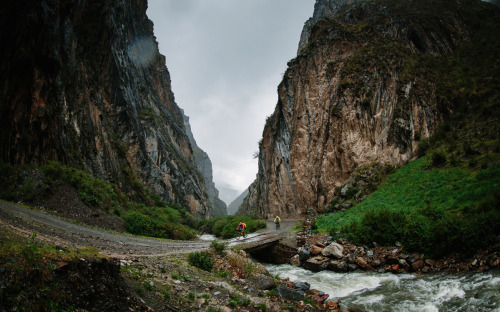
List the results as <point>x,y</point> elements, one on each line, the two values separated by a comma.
<point>342,256</point>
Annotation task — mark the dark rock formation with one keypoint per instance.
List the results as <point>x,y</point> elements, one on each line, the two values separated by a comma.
<point>354,95</point>
<point>236,203</point>
<point>217,206</point>
<point>249,205</point>
<point>82,82</point>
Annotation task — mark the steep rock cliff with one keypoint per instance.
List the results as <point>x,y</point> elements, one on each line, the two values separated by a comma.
<point>217,206</point>
<point>354,94</point>
<point>83,82</point>
<point>233,207</point>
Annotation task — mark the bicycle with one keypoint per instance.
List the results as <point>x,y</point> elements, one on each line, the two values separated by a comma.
<point>277,225</point>
<point>241,234</point>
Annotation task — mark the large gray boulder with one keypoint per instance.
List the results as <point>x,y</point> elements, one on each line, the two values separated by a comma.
<point>333,250</point>
<point>290,294</point>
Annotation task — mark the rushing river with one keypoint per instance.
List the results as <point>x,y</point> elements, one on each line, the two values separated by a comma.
<point>403,292</point>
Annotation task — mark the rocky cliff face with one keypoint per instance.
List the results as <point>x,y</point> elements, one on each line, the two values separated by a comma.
<point>233,207</point>
<point>354,95</point>
<point>82,82</point>
<point>217,206</point>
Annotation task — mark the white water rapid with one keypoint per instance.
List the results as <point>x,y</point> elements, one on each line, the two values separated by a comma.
<point>403,292</point>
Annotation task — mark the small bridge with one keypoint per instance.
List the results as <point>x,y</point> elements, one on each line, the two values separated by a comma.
<point>254,242</point>
<point>265,247</point>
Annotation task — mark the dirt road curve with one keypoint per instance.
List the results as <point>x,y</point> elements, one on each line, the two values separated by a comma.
<point>66,234</point>
<point>56,231</point>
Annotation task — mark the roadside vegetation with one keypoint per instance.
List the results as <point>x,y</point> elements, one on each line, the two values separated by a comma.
<point>143,212</point>
<point>225,227</point>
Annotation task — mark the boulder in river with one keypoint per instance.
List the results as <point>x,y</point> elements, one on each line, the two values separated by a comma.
<point>333,250</point>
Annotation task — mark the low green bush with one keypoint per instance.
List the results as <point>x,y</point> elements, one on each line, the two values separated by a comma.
<point>201,260</point>
<point>225,227</point>
<point>218,247</point>
<point>157,222</point>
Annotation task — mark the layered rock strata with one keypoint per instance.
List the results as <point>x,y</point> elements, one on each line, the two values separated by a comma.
<point>82,82</point>
<point>352,96</point>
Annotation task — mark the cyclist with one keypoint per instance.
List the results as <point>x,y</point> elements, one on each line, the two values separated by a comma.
<point>241,227</point>
<point>277,222</point>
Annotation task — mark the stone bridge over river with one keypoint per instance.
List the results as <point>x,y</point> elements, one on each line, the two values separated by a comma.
<point>272,247</point>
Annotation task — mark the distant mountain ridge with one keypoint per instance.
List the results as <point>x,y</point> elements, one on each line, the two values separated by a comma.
<point>233,207</point>
<point>218,207</point>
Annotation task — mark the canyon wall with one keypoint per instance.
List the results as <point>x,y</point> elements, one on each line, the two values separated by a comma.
<point>82,82</point>
<point>354,95</point>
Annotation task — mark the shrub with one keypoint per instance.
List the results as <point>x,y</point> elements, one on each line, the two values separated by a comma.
<point>383,227</point>
<point>140,224</point>
<point>218,247</point>
<point>201,260</point>
<point>438,158</point>
<point>423,146</point>
<point>225,227</point>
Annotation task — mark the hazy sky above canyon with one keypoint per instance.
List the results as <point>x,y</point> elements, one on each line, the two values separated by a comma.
<point>226,59</point>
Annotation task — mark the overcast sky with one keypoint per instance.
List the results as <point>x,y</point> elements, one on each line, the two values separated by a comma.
<point>226,59</point>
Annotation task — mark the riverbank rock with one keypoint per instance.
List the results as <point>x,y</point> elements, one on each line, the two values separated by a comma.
<point>295,261</point>
<point>290,294</point>
<point>316,264</point>
<point>261,282</point>
<point>304,253</point>
<point>343,256</point>
<point>333,250</point>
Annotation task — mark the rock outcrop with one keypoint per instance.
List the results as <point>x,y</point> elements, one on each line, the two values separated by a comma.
<point>354,95</point>
<point>217,206</point>
<point>236,203</point>
<point>83,83</point>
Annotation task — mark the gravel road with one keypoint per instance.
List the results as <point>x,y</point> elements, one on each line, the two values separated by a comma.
<point>54,230</point>
<point>63,233</point>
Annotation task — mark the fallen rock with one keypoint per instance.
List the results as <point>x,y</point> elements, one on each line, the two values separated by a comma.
<point>376,263</point>
<point>261,282</point>
<point>304,254</point>
<point>304,286</point>
<point>417,265</point>
<point>295,261</point>
<point>361,263</point>
<point>333,250</point>
<point>315,250</point>
<point>332,306</point>
<point>338,266</point>
<point>321,297</point>
<point>290,294</point>
<point>403,264</point>
<point>316,264</point>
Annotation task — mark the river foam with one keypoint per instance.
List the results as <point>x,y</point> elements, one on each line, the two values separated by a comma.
<point>403,292</point>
